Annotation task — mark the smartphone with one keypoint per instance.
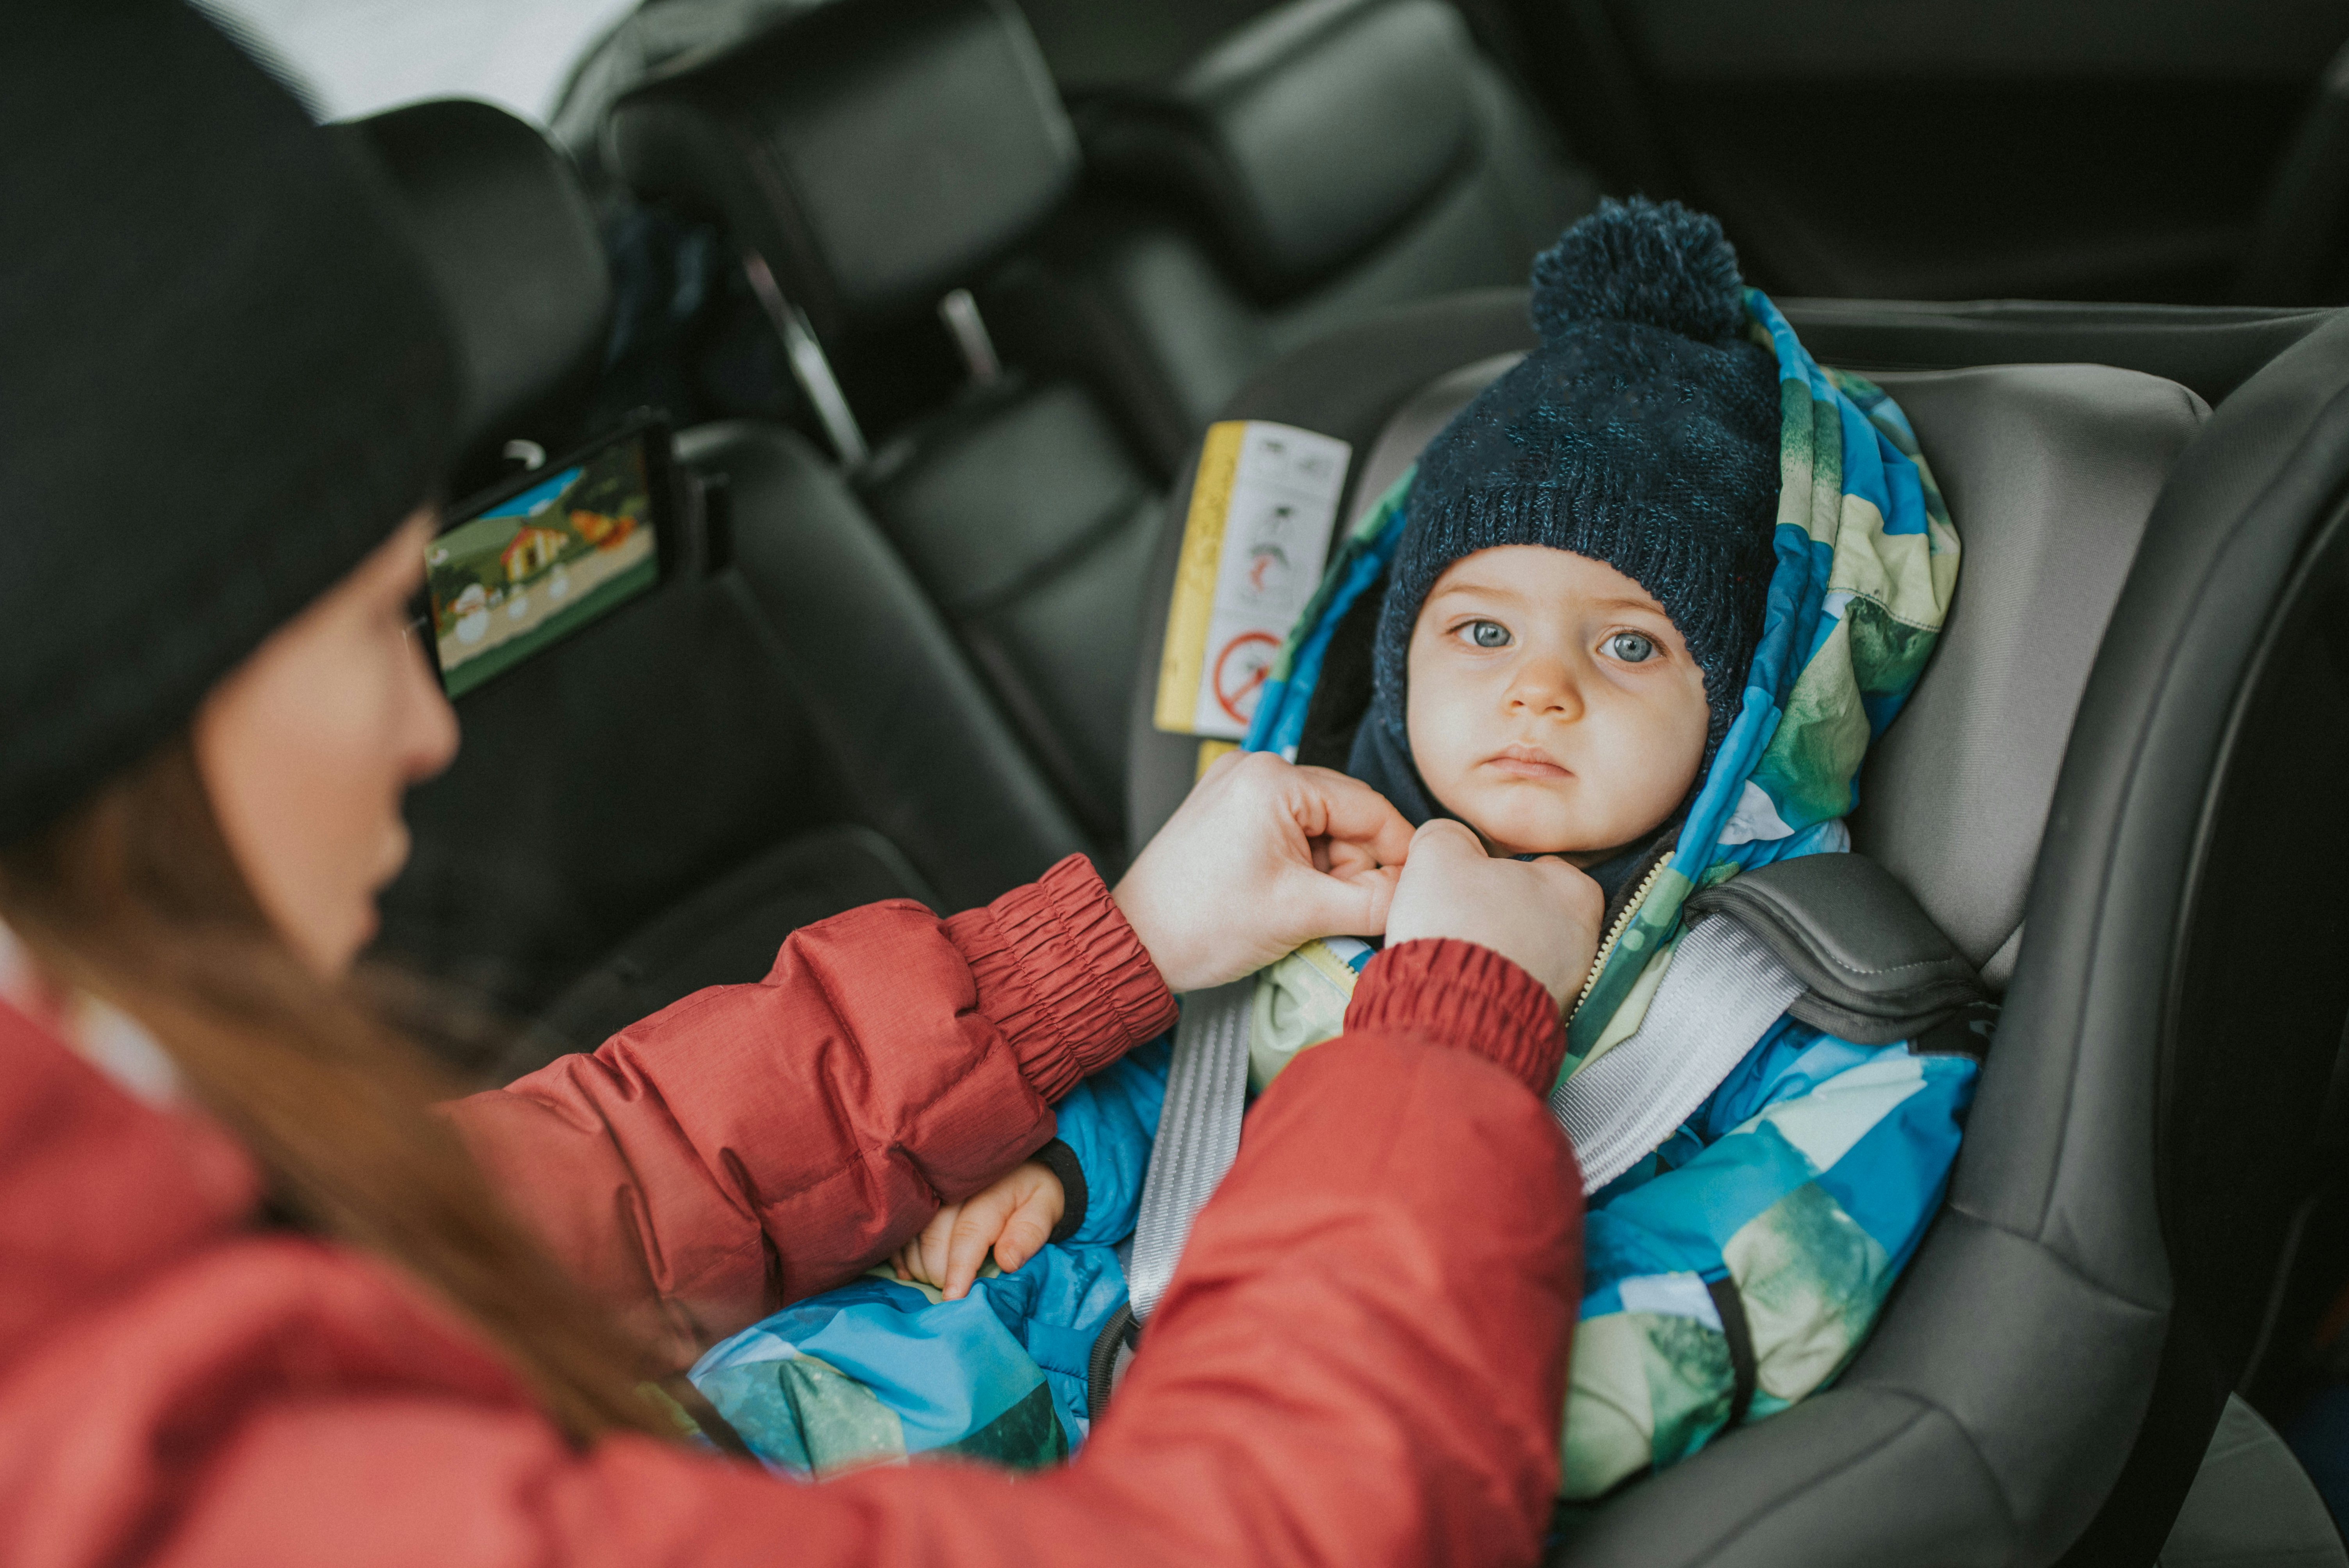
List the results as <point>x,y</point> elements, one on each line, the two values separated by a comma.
<point>518,568</point>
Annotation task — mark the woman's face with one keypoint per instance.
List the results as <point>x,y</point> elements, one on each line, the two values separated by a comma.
<point>306,747</point>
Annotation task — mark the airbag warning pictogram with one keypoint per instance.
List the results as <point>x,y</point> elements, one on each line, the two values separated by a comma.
<point>1263,504</point>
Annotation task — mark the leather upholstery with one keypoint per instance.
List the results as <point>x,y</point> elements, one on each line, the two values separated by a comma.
<point>512,248</point>
<point>1364,150</point>
<point>723,934</point>
<point>876,152</point>
<point>1876,968</point>
<point>1262,138</point>
<point>1144,300</point>
<point>784,730</point>
<point>1027,520</point>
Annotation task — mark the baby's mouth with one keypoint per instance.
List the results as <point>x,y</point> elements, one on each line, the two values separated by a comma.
<point>1525,762</point>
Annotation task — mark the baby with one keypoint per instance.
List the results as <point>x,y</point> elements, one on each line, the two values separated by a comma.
<point>1553,633</point>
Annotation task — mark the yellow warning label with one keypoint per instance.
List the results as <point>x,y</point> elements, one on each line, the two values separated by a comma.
<point>1210,751</point>
<point>1183,658</point>
<point>1263,504</point>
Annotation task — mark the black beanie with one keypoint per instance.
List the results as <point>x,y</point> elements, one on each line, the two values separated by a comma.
<point>1643,432</point>
<point>223,380</point>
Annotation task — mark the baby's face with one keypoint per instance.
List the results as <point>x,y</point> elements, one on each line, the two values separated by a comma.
<point>1552,706</point>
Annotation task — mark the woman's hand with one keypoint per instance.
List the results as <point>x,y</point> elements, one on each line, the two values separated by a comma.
<point>1014,1215</point>
<point>1262,857</point>
<point>1542,914</point>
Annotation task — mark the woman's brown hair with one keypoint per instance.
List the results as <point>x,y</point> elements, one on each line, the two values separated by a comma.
<point>136,898</point>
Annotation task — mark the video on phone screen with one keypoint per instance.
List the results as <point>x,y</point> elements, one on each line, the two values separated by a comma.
<point>536,567</point>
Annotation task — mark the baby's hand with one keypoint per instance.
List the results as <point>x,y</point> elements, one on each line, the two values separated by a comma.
<point>1014,1215</point>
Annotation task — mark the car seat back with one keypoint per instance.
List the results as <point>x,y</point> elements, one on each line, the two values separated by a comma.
<point>529,318</point>
<point>2048,1374</point>
<point>877,158</point>
<point>1325,160</point>
<point>651,805</point>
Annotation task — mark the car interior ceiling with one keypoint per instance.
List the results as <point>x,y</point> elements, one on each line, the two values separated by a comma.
<point>940,296</point>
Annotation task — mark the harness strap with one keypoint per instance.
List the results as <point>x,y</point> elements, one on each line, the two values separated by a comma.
<point>1199,1133</point>
<point>1724,991</point>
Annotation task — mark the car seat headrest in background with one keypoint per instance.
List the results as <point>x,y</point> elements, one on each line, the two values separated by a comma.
<point>877,153</point>
<point>2050,472</point>
<point>499,217</point>
<point>1304,138</point>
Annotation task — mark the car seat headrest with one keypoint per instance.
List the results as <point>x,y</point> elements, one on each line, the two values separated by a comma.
<point>2051,472</point>
<point>1304,138</point>
<point>877,153</point>
<point>498,214</point>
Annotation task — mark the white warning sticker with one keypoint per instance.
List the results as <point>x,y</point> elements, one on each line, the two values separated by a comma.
<point>1264,502</point>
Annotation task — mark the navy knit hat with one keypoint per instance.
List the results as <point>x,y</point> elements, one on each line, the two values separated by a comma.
<point>1643,432</point>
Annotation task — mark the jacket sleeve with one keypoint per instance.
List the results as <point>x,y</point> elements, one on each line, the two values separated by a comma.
<point>1746,1273</point>
<point>1109,1124</point>
<point>753,1144</point>
<point>1359,1362</point>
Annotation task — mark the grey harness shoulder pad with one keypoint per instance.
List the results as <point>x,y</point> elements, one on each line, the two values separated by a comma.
<point>1874,967</point>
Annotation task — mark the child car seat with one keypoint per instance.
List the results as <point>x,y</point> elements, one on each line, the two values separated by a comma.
<point>2134,717</point>
<point>652,805</point>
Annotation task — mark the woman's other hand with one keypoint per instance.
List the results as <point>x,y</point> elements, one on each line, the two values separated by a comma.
<point>1541,914</point>
<point>1014,1215</point>
<point>1261,857</point>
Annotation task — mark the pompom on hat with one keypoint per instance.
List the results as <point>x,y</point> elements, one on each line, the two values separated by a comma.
<point>224,380</point>
<point>1643,432</point>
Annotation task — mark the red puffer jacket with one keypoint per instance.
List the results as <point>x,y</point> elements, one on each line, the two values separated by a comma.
<point>1361,1362</point>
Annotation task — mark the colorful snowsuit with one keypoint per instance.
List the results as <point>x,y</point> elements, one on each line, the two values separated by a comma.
<point>1795,1195</point>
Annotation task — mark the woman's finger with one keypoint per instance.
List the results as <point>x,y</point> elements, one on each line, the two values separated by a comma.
<point>1350,812</point>
<point>1355,905</point>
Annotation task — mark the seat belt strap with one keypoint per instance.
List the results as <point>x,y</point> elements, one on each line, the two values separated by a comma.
<point>1199,1133</point>
<point>1720,997</point>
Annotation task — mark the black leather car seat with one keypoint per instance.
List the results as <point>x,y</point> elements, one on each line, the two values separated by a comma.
<point>1325,160</point>
<point>2139,700</point>
<point>783,730</point>
<point>878,155</point>
<point>881,155</point>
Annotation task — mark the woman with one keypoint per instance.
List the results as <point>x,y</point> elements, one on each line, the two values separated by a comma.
<point>259,1302</point>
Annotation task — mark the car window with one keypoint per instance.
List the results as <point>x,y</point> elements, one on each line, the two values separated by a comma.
<point>356,56</point>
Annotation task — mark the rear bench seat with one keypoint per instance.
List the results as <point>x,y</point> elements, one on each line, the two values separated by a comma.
<point>783,730</point>
<point>1329,158</point>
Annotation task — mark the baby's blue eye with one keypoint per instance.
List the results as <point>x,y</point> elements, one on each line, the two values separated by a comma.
<point>1487,634</point>
<point>1631,647</point>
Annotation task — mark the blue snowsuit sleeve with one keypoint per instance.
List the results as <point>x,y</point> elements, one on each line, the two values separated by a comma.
<point>1109,1120</point>
<point>1792,1199</point>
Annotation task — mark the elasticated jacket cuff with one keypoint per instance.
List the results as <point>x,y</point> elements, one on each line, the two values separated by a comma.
<point>1075,1194</point>
<point>1466,997</point>
<point>1063,975</point>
